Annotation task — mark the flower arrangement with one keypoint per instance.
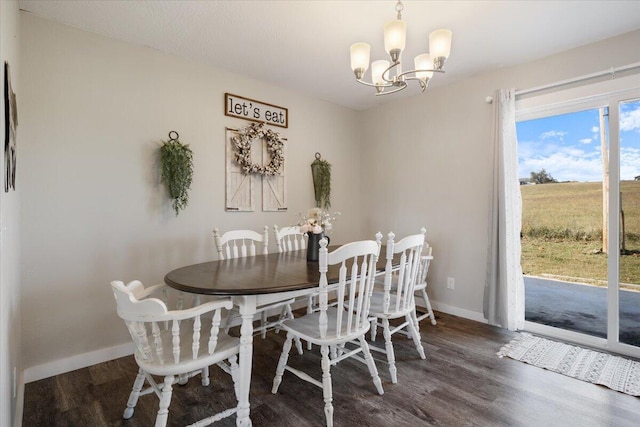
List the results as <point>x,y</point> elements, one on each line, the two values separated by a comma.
<point>317,221</point>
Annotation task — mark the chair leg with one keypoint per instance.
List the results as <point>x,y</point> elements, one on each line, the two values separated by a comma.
<point>165,400</point>
<point>183,379</point>
<point>414,317</point>
<point>284,315</point>
<point>282,363</point>
<point>416,321</point>
<point>327,392</point>
<point>388,345</point>
<point>205,376</point>
<point>428,310</point>
<point>263,323</point>
<point>235,374</point>
<point>374,329</point>
<point>135,394</point>
<point>371,364</point>
<point>341,349</point>
<point>427,303</point>
<point>299,346</point>
<point>416,336</point>
<point>310,305</point>
<point>333,351</point>
<point>288,311</point>
<point>225,323</point>
<point>309,311</point>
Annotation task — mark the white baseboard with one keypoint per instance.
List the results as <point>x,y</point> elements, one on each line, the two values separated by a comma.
<point>79,361</point>
<point>457,311</point>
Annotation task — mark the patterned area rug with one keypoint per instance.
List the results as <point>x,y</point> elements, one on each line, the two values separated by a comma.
<point>614,372</point>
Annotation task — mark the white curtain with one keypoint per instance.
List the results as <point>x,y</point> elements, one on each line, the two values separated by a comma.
<point>504,287</point>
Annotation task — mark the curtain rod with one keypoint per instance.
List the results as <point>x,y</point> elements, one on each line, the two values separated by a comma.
<point>611,71</point>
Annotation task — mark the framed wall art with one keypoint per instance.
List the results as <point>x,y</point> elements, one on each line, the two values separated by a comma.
<point>11,124</point>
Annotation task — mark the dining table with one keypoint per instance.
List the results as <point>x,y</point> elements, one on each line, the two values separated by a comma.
<point>252,282</point>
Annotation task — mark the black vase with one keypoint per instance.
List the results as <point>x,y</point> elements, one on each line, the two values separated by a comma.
<point>313,246</point>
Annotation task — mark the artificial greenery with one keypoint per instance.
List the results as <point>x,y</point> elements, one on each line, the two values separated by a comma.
<point>321,171</point>
<point>177,171</point>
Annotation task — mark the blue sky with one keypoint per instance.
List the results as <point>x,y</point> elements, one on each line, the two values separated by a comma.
<point>568,146</point>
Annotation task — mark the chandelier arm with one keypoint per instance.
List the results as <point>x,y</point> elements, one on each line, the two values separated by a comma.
<point>373,84</point>
<point>423,84</point>
<point>401,86</point>
<point>392,66</point>
<point>418,71</point>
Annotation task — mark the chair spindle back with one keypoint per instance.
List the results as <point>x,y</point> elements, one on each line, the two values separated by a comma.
<point>399,288</point>
<point>357,261</point>
<point>241,243</point>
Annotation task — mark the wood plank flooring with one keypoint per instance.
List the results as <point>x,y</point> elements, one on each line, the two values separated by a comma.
<point>462,383</point>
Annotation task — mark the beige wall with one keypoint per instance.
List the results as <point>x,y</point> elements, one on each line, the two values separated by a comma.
<point>10,233</point>
<point>434,150</point>
<point>95,111</point>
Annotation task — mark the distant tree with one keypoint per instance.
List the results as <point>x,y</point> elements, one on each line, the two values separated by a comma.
<point>542,177</point>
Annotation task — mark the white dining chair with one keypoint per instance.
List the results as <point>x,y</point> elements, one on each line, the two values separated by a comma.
<point>240,244</point>
<point>396,299</point>
<point>292,239</point>
<point>289,238</point>
<point>347,322</point>
<point>421,286</point>
<point>174,343</point>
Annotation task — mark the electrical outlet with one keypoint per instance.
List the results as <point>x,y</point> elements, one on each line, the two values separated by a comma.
<point>451,282</point>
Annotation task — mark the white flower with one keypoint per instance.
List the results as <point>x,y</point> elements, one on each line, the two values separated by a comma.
<point>316,221</point>
<point>314,213</point>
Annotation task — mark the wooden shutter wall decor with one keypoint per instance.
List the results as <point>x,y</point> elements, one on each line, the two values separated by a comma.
<point>241,187</point>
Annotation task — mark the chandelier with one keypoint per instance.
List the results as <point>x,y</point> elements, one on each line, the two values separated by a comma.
<point>395,34</point>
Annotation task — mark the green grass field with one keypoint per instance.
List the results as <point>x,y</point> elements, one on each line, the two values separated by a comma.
<point>562,232</point>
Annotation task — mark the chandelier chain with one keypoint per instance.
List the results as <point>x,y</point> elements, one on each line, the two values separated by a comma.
<point>399,9</point>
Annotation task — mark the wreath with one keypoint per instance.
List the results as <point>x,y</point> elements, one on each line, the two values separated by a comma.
<point>275,146</point>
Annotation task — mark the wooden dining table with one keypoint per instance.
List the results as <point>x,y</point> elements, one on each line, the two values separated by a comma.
<point>252,282</point>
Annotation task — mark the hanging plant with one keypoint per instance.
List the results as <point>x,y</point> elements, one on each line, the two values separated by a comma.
<point>321,171</point>
<point>177,170</point>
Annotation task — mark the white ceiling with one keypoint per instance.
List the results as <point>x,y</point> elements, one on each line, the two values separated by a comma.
<point>304,45</point>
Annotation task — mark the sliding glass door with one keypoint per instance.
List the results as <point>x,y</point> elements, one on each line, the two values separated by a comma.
<point>563,175</point>
<point>601,211</point>
<point>626,325</point>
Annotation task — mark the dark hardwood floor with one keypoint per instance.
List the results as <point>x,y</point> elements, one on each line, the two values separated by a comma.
<point>462,383</point>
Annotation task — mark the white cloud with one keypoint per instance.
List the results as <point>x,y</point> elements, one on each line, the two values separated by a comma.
<point>573,164</point>
<point>565,167</point>
<point>629,163</point>
<point>553,134</point>
<point>630,120</point>
<point>580,159</point>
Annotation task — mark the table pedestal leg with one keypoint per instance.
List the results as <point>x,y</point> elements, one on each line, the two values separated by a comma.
<point>246,355</point>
